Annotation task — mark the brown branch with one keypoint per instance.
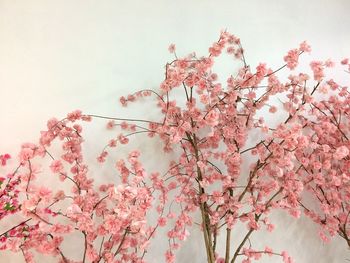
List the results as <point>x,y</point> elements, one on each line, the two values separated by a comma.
<point>22,223</point>
<point>257,217</point>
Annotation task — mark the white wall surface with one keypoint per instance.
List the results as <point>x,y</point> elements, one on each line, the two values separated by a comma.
<point>57,56</point>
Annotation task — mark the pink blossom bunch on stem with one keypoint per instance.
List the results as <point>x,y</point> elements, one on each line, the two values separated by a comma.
<point>9,203</point>
<point>232,166</point>
<point>324,155</point>
<point>110,218</point>
<point>210,125</point>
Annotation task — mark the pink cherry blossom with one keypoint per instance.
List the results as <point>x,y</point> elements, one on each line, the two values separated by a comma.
<point>341,152</point>
<point>171,48</point>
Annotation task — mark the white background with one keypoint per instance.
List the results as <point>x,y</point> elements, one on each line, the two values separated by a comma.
<point>57,56</point>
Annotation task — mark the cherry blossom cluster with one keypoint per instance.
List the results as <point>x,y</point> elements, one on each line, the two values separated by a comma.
<point>231,166</point>
<point>211,130</point>
<point>323,155</point>
<point>9,203</point>
<point>111,217</point>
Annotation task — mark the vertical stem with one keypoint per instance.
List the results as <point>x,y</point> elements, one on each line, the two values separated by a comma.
<point>206,234</point>
<point>228,238</point>
<point>203,206</point>
<point>85,246</point>
<point>228,245</point>
<point>206,222</point>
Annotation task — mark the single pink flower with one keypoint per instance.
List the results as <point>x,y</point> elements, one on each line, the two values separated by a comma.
<point>172,48</point>
<point>341,152</point>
